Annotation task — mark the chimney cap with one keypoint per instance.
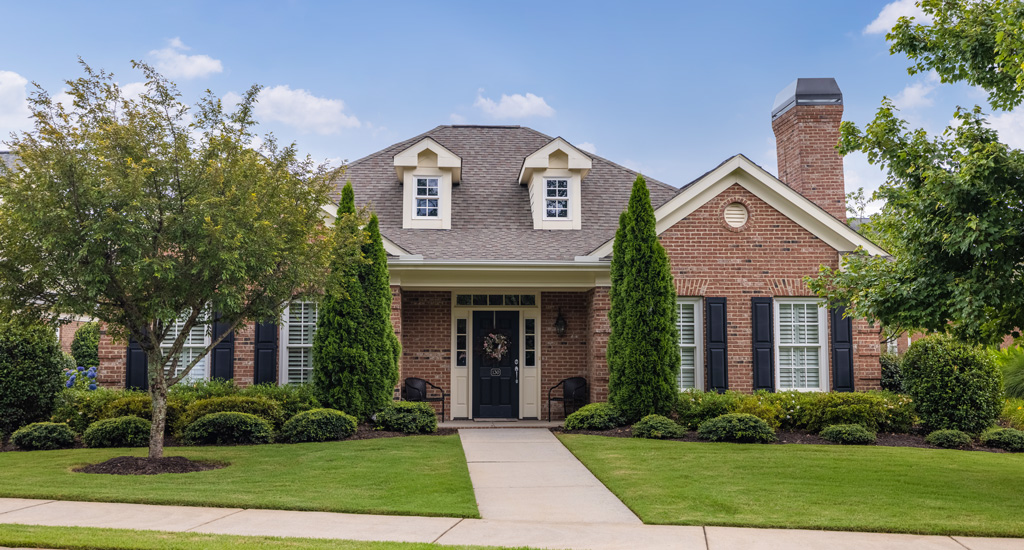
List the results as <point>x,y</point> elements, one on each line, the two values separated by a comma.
<point>807,91</point>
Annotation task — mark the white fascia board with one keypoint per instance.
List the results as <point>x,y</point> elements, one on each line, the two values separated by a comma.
<point>538,160</point>
<point>484,265</point>
<point>495,275</point>
<point>793,205</point>
<point>409,158</point>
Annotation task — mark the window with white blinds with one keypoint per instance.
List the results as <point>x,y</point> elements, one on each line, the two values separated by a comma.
<point>195,344</point>
<point>801,330</point>
<point>300,324</point>
<point>691,359</point>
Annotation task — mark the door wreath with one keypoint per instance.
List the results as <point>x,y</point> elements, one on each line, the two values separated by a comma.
<point>495,346</point>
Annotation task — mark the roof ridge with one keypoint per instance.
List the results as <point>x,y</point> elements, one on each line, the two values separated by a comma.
<point>381,151</point>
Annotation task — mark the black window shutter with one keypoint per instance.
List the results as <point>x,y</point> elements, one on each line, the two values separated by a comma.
<point>135,373</point>
<point>717,348</point>
<point>266,353</point>
<point>763,353</point>
<point>842,350</point>
<point>222,356</point>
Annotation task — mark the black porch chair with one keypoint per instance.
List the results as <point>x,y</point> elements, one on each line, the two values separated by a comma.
<point>574,394</point>
<point>415,389</point>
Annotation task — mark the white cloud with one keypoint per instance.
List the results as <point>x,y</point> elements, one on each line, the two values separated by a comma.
<point>588,147</point>
<point>514,106</point>
<point>14,112</point>
<point>174,64</point>
<point>298,109</point>
<point>1010,127</point>
<point>914,96</point>
<point>892,12</point>
<point>859,173</point>
<point>457,118</point>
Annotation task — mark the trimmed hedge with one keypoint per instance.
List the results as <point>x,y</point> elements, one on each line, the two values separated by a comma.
<point>318,425</point>
<point>695,407</point>
<point>948,439</point>
<point>228,428</point>
<point>736,428</point>
<point>259,406</point>
<point>124,431</point>
<point>31,367</point>
<point>293,398</point>
<point>1007,439</point>
<point>142,406</point>
<point>876,411</point>
<point>655,426</point>
<point>595,416</point>
<point>848,434</point>
<point>44,436</point>
<point>892,373</point>
<point>954,385</point>
<point>408,417</point>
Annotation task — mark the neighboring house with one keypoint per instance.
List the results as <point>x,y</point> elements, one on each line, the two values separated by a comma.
<point>502,229</point>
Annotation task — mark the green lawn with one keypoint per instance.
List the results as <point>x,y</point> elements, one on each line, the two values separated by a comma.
<point>87,538</point>
<point>886,489</point>
<point>419,475</point>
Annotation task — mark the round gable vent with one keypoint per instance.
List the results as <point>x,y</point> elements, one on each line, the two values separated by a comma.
<point>736,214</point>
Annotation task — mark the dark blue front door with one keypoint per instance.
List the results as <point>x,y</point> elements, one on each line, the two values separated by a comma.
<point>496,381</point>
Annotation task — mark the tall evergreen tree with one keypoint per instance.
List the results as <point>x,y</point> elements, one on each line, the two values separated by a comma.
<point>355,350</point>
<point>643,348</point>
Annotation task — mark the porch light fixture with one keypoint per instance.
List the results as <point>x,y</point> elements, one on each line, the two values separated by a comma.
<point>560,324</point>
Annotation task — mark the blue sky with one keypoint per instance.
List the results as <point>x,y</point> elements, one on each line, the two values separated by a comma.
<point>667,88</point>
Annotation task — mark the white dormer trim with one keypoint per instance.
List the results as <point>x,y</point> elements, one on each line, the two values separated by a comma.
<point>556,160</point>
<point>427,159</point>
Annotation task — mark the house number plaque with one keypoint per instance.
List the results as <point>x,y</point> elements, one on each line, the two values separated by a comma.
<point>495,372</point>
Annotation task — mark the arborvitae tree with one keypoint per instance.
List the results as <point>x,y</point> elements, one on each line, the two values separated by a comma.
<point>85,347</point>
<point>355,350</point>
<point>643,348</point>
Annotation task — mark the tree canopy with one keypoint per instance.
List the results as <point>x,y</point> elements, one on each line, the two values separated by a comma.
<point>153,217</point>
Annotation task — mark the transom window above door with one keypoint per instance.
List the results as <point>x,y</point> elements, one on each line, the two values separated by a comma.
<point>556,198</point>
<point>427,196</point>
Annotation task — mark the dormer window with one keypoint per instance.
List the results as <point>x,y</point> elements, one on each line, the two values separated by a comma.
<point>427,190</point>
<point>556,201</point>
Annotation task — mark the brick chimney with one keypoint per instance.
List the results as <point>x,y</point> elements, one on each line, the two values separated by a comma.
<point>806,119</point>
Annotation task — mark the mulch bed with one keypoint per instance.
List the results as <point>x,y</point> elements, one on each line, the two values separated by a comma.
<point>144,466</point>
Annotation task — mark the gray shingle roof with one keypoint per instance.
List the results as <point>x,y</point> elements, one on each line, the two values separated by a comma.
<point>7,157</point>
<point>491,216</point>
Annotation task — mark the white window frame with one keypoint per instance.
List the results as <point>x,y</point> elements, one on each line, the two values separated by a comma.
<point>416,197</point>
<point>698,342</point>
<point>568,198</point>
<point>168,343</point>
<point>286,345</point>
<point>823,341</point>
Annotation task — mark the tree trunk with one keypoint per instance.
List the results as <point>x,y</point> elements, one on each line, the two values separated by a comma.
<point>158,392</point>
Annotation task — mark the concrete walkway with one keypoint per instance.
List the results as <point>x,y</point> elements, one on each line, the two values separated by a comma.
<point>454,531</point>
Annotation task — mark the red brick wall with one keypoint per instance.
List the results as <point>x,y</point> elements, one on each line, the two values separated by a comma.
<point>805,141</point>
<point>245,356</point>
<point>768,256</point>
<point>426,346</point>
<point>113,361</point>
<point>567,355</point>
<point>598,329</point>
<point>67,334</point>
<point>396,323</point>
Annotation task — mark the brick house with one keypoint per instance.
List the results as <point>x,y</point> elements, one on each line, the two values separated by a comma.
<point>502,229</point>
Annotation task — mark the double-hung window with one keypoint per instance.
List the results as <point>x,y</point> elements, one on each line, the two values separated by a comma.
<point>427,196</point>
<point>691,358</point>
<point>556,198</point>
<point>802,360</point>
<point>194,346</point>
<point>300,320</point>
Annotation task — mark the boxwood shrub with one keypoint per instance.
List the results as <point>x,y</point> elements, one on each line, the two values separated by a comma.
<point>259,406</point>
<point>892,374</point>
<point>1007,439</point>
<point>123,431</point>
<point>595,416</point>
<point>228,428</point>
<point>141,405</point>
<point>948,439</point>
<point>31,367</point>
<point>44,436</point>
<point>408,417</point>
<point>655,426</point>
<point>293,398</point>
<point>695,406</point>
<point>736,428</point>
<point>954,386</point>
<point>848,434</point>
<point>876,411</point>
<point>318,425</point>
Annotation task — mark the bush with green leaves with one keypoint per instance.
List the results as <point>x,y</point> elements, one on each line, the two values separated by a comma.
<point>141,405</point>
<point>123,431</point>
<point>318,425</point>
<point>736,428</point>
<point>228,428</point>
<point>764,405</point>
<point>30,374</point>
<point>1007,439</point>
<point>954,386</point>
<point>85,346</point>
<point>876,411</point>
<point>1013,413</point>
<point>407,417</point>
<point>1011,362</point>
<point>187,392</point>
<point>848,434</point>
<point>44,436</point>
<point>79,409</point>
<point>259,406</point>
<point>79,378</point>
<point>949,439</point>
<point>595,416</point>
<point>892,375</point>
<point>655,426</point>
<point>694,406</point>
<point>293,398</point>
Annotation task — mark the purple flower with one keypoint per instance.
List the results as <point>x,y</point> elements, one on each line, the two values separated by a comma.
<point>72,379</point>
<point>92,386</point>
<point>81,369</point>
<point>69,383</point>
<point>91,374</point>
